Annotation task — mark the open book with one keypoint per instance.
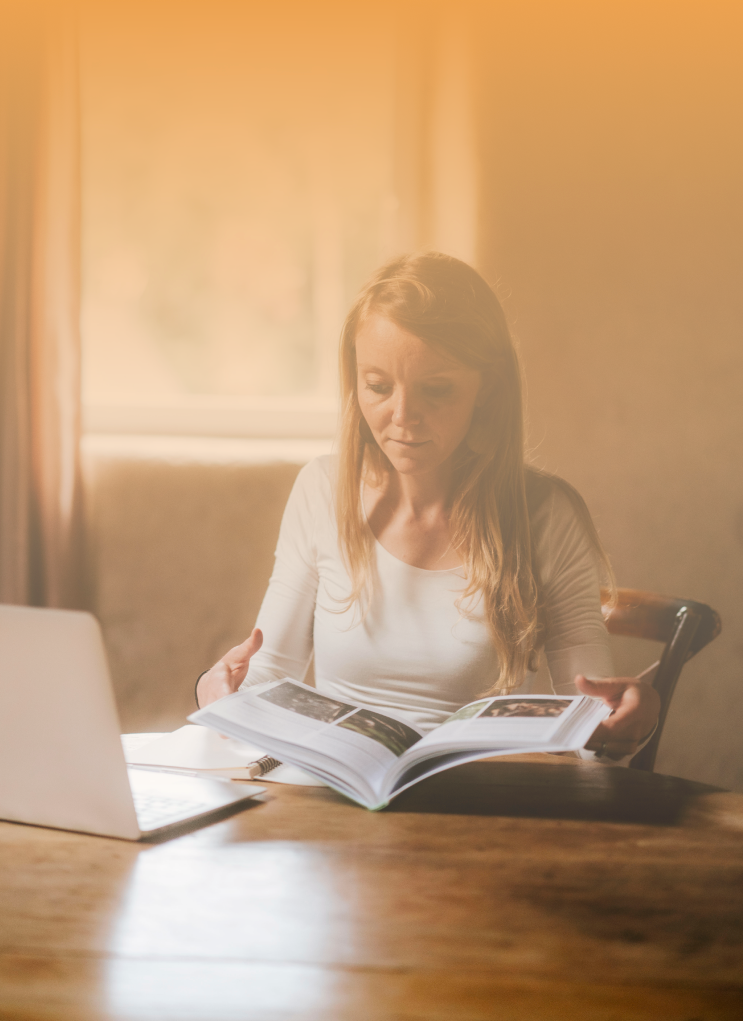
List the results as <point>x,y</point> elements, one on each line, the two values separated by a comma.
<point>372,756</point>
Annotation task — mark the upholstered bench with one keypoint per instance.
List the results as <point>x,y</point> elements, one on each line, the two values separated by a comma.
<point>181,534</point>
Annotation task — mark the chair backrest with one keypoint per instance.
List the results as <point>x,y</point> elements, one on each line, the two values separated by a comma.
<point>682,625</point>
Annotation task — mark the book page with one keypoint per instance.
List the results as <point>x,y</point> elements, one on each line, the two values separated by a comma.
<point>338,739</point>
<point>500,725</point>
<point>507,719</point>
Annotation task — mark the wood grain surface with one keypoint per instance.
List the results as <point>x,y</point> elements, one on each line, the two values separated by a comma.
<point>537,888</point>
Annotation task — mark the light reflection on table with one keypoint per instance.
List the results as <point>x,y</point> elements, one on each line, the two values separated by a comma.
<point>475,899</point>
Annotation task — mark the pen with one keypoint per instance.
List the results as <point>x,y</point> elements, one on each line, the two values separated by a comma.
<point>253,769</point>
<point>164,769</point>
<point>200,775</point>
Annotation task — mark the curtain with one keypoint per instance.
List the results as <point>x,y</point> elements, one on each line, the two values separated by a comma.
<point>41,535</point>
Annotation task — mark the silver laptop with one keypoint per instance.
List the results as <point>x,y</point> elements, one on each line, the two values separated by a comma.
<point>61,759</point>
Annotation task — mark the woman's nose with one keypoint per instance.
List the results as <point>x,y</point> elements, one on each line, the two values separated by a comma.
<point>405,411</point>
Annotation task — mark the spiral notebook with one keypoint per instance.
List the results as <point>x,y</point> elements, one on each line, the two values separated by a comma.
<point>201,751</point>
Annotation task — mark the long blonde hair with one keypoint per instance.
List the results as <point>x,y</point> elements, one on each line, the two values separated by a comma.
<point>449,306</point>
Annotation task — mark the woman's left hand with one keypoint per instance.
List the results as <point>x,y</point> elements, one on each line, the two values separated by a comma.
<point>636,708</point>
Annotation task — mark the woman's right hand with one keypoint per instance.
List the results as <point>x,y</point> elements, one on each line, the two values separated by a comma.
<point>226,676</point>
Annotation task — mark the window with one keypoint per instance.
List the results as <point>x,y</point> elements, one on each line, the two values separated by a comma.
<point>245,168</point>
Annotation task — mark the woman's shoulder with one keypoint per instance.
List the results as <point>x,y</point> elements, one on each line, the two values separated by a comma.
<point>310,504</point>
<point>557,512</point>
<point>318,471</point>
<point>547,494</point>
<point>314,481</point>
<point>561,526</point>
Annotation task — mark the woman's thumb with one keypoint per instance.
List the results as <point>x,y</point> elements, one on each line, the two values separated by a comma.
<point>253,644</point>
<point>609,689</point>
<point>237,659</point>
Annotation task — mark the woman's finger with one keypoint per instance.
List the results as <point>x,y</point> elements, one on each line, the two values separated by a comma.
<point>609,689</point>
<point>635,705</point>
<point>614,751</point>
<point>226,676</point>
<point>237,659</point>
<point>618,751</point>
<point>636,715</point>
<point>603,738</point>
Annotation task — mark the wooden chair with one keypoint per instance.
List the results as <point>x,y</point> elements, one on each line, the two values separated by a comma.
<point>683,626</point>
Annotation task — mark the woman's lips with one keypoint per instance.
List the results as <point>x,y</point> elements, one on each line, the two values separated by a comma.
<point>410,443</point>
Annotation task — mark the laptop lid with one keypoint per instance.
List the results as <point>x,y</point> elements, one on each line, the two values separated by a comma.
<point>61,761</point>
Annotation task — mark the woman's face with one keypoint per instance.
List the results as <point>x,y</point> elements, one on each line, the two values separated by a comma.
<point>417,402</point>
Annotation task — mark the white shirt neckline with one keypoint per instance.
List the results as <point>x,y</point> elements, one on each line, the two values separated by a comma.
<point>425,570</point>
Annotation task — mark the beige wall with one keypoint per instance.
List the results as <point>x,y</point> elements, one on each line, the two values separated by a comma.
<point>611,174</point>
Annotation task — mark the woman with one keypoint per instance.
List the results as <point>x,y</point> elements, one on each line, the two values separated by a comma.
<point>427,565</point>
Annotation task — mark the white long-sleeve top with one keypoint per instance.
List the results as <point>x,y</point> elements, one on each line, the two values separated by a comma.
<point>414,652</point>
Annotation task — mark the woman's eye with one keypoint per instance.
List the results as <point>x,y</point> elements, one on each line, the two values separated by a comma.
<point>378,388</point>
<point>437,392</point>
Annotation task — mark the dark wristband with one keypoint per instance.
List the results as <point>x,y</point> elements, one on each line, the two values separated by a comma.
<point>196,687</point>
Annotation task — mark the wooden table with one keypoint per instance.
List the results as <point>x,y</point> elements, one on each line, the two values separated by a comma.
<point>511,890</point>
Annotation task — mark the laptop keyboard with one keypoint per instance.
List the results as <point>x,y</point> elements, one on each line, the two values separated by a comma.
<point>154,810</point>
